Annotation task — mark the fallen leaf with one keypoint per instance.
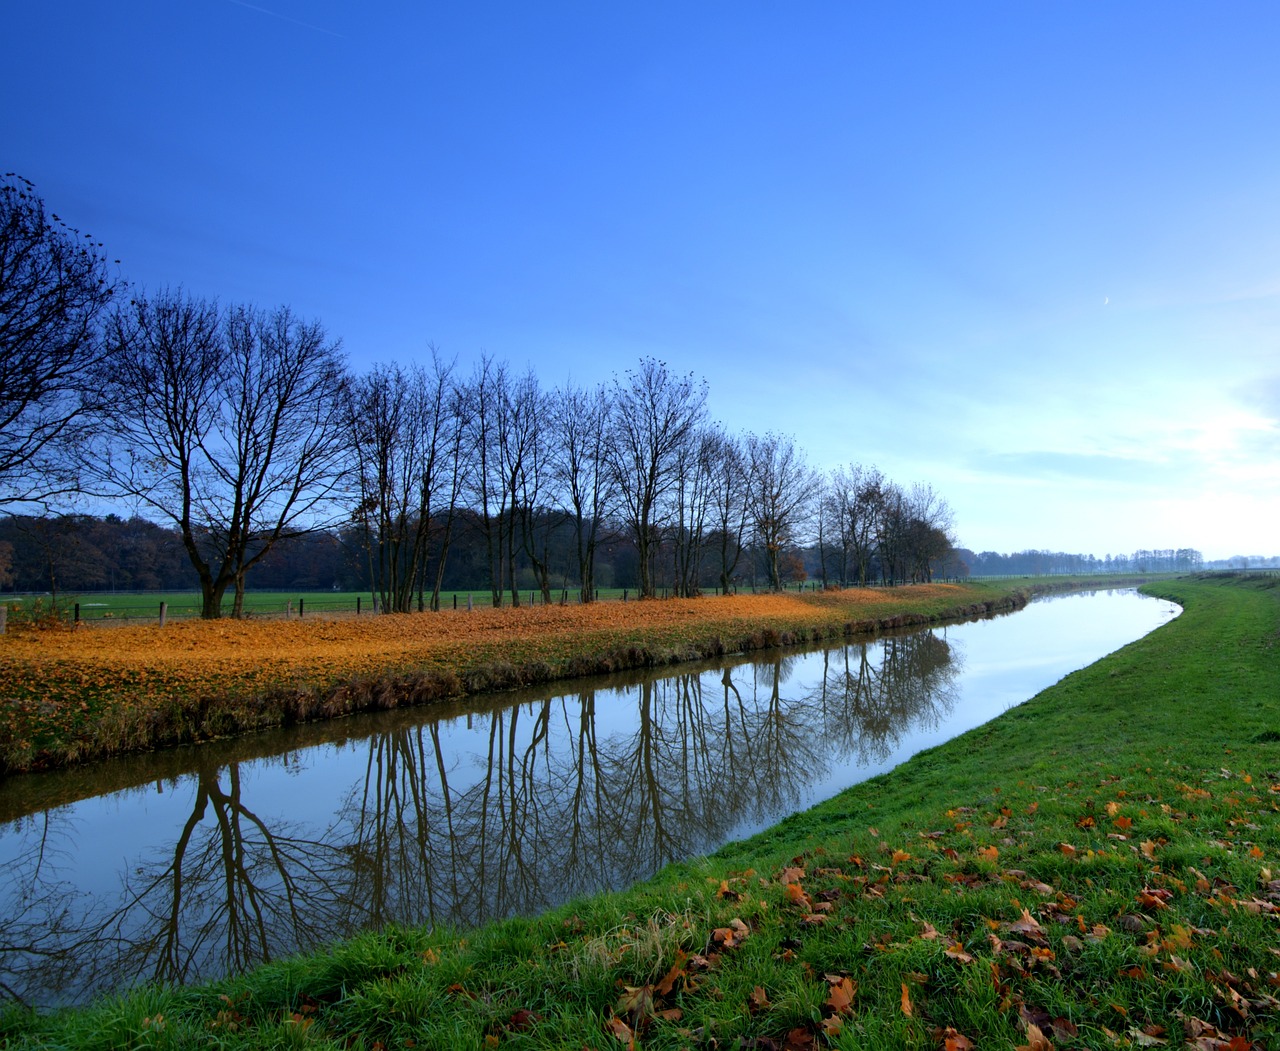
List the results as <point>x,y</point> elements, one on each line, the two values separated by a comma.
<point>1036,1040</point>
<point>842,993</point>
<point>906,1001</point>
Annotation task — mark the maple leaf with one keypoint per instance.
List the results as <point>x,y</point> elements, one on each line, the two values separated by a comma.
<point>955,1041</point>
<point>907,1009</point>
<point>799,1039</point>
<point>622,1031</point>
<point>664,987</point>
<point>1149,848</point>
<point>521,1020</point>
<point>759,999</point>
<point>1027,924</point>
<point>636,1001</point>
<point>1036,1040</point>
<point>797,896</point>
<point>956,952</point>
<point>842,993</point>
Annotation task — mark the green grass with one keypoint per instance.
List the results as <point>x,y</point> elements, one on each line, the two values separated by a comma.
<point>1101,863</point>
<point>129,607</point>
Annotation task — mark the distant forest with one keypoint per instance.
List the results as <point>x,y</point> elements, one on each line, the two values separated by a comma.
<point>83,553</point>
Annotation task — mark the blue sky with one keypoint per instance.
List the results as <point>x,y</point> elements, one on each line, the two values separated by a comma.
<point>1029,253</point>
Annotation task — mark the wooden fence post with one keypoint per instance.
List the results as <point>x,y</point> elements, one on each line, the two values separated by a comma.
<point>164,612</point>
<point>300,602</point>
<point>4,618</point>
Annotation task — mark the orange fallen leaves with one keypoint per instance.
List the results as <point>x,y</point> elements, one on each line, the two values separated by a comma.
<point>139,665</point>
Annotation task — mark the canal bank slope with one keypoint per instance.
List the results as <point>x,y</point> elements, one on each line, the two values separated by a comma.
<point>1099,867</point>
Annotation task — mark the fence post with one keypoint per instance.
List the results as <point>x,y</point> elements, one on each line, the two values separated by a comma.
<point>357,605</point>
<point>288,609</point>
<point>300,602</point>
<point>624,594</point>
<point>4,618</point>
<point>77,613</point>
<point>455,601</point>
<point>468,603</point>
<point>164,612</point>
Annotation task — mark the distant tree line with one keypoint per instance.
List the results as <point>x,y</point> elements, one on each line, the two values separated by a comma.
<point>239,443</point>
<point>1059,563</point>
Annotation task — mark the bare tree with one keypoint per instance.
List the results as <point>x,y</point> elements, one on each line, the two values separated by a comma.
<point>229,424</point>
<point>654,414</point>
<point>929,531</point>
<point>485,394</point>
<point>781,486</point>
<point>400,430</point>
<point>728,514</point>
<point>854,497</point>
<point>54,288</point>
<point>581,470</point>
<point>693,495</point>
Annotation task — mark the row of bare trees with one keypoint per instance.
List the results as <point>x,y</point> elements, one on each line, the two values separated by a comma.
<point>241,428</point>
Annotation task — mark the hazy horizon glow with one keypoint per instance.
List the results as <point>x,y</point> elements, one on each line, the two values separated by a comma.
<point>1030,255</point>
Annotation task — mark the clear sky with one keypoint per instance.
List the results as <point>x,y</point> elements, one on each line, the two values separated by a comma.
<point>1026,252</point>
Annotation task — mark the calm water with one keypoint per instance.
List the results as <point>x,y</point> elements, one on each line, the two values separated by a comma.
<point>196,863</point>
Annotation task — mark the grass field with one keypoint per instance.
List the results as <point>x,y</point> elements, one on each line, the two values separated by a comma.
<point>1097,868</point>
<point>126,607</point>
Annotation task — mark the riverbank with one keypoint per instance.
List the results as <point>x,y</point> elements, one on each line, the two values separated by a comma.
<point>1100,867</point>
<point>72,696</point>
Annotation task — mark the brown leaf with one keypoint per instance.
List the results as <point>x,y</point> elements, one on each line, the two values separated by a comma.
<point>799,1039</point>
<point>1036,1040</point>
<point>759,999</point>
<point>906,1001</point>
<point>664,987</point>
<point>1028,925</point>
<point>622,1031</point>
<point>636,1001</point>
<point>842,993</point>
<point>954,1041</point>
<point>956,952</point>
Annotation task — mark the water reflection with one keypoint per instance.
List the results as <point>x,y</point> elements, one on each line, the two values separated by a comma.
<point>452,821</point>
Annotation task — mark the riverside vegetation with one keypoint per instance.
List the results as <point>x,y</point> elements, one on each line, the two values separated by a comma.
<point>1096,868</point>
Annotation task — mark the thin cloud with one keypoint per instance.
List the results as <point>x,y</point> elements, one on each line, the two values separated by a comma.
<point>284,18</point>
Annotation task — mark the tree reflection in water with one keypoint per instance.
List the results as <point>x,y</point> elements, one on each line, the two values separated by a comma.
<point>519,809</point>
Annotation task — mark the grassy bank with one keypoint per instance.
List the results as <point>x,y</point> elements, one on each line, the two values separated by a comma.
<point>76,695</point>
<point>1099,867</point>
